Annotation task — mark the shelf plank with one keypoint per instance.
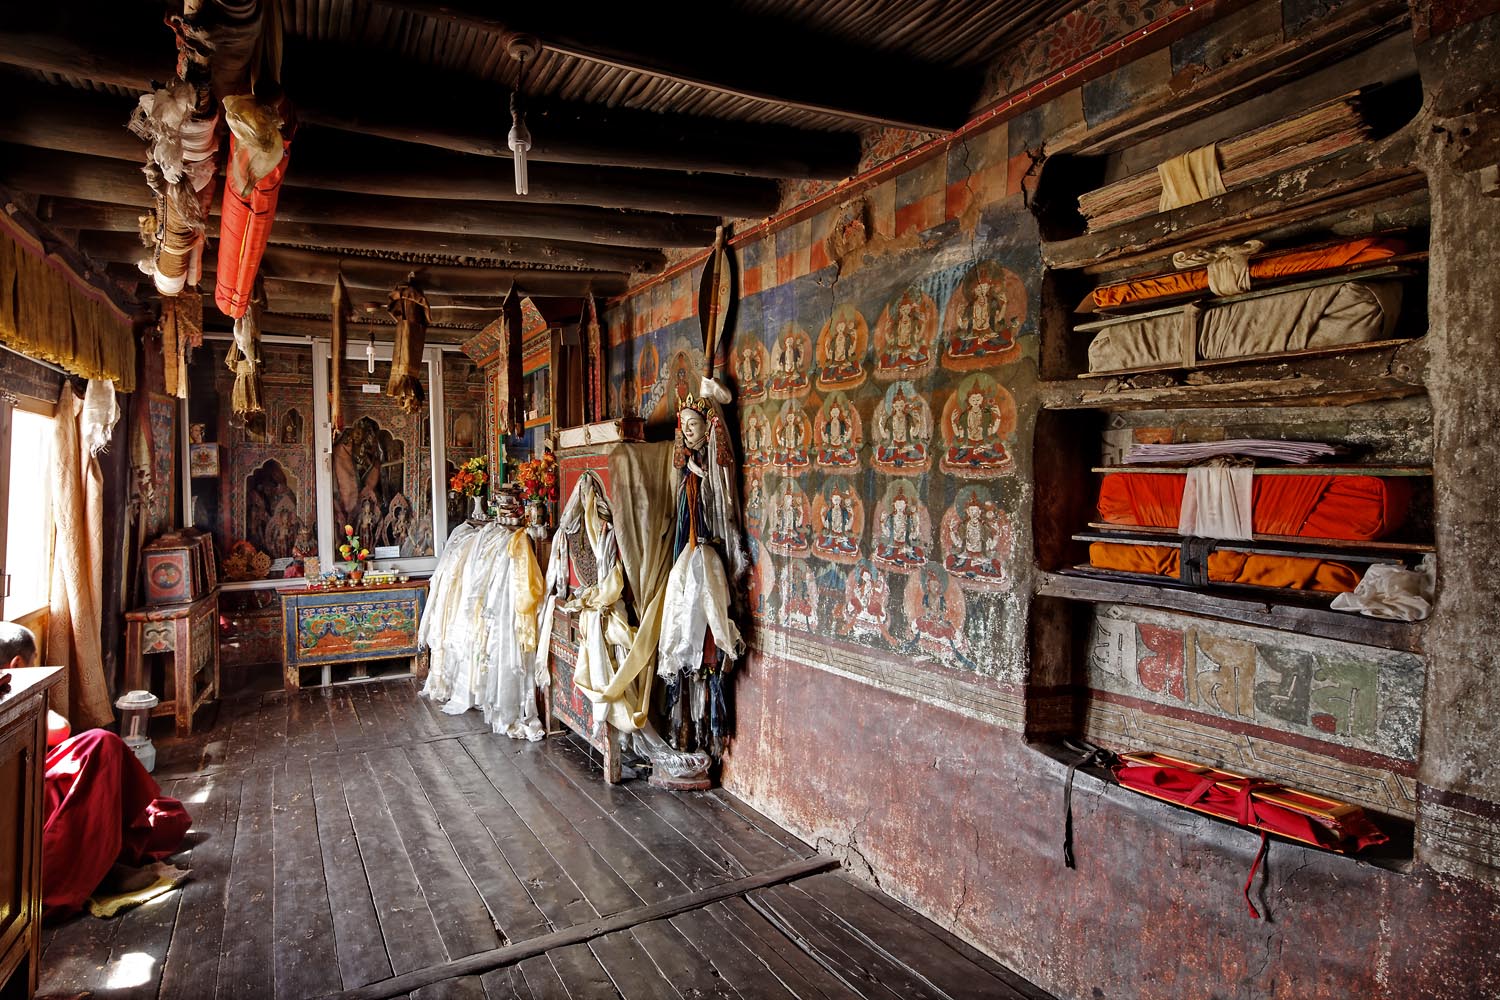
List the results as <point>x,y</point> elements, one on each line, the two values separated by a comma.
<point>1366,272</point>
<point>1338,350</point>
<point>1337,543</point>
<point>1282,470</point>
<point>1232,545</point>
<point>1264,612</point>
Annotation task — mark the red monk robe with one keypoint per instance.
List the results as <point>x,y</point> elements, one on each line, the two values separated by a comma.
<point>99,807</point>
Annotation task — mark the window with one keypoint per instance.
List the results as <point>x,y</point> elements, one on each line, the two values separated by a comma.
<point>28,556</point>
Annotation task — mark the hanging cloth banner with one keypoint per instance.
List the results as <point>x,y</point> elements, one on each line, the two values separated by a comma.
<point>715,294</point>
<point>257,164</point>
<point>594,365</point>
<point>336,350</point>
<point>409,308</point>
<point>511,419</point>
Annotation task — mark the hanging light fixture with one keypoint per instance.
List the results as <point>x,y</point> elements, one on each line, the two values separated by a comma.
<point>522,48</point>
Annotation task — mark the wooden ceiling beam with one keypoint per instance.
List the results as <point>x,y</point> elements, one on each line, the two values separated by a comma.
<point>68,120</point>
<point>744,55</point>
<point>92,178</point>
<point>378,94</point>
<point>318,270</point>
<point>68,213</point>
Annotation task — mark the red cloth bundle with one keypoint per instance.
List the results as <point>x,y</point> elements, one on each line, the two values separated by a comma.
<point>244,231</point>
<point>1251,802</point>
<point>1314,505</point>
<point>99,806</point>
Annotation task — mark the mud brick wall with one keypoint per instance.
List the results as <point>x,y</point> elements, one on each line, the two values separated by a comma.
<point>881,710</point>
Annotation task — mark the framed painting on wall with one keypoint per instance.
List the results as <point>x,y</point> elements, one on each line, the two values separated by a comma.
<point>203,461</point>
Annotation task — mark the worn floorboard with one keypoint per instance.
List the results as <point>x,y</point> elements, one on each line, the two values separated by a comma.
<point>345,836</point>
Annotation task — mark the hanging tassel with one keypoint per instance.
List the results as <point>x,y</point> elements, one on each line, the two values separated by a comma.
<point>340,331</point>
<point>244,360</point>
<point>409,308</point>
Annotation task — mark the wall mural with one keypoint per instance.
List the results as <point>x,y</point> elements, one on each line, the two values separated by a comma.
<point>880,453</point>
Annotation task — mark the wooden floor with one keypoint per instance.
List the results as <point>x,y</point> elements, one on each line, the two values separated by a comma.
<point>346,836</point>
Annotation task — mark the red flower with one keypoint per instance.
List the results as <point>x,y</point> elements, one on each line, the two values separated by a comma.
<point>1074,37</point>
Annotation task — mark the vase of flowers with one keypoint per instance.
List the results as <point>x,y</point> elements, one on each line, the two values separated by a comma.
<point>355,554</point>
<point>469,482</point>
<point>538,481</point>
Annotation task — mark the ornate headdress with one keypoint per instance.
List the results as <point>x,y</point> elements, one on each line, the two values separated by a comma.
<point>695,402</point>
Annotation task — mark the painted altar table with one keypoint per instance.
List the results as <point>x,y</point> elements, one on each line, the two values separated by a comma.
<point>349,626</point>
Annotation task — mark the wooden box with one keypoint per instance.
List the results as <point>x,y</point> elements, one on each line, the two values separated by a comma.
<point>179,567</point>
<point>602,432</point>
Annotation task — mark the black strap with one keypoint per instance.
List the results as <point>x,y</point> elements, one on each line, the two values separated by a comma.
<point>1089,755</point>
<point>1193,564</point>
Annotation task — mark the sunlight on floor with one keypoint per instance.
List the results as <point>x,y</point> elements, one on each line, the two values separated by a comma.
<point>134,968</point>
<point>202,794</point>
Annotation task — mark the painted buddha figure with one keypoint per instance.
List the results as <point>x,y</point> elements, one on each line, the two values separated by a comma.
<point>975,542</point>
<point>905,348</point>
<point>790,438</point>
<point>841,365</point>
<point>934,627</point>
<point>984,326</point>
<point>790,375</point>
<point>838,522</point>
<point>900,535</point>
<point>838,447</point>
<point>903,432</point>
<point>788,521</point>
<point>976,429</point>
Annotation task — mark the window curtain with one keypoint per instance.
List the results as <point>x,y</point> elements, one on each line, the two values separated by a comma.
<point>77,590</point>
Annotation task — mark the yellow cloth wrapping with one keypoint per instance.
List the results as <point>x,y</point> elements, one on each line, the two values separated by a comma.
<point>527,587</point>
<point>409,307</point>
<point>617,696</point>
<point>1191,177</point>
<point>50,315</point>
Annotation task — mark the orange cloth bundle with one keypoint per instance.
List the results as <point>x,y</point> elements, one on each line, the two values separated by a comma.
<point>1287,572</point>
<point>1313,505</point>
<point>244,231</point>
<point>1272,265</point>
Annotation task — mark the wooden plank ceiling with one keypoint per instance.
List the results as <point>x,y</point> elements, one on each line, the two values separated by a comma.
<point>648,130</point>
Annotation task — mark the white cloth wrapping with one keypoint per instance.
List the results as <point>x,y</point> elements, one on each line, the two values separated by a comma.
<point>1217,502</point>
<point>100,414</point>
<point>1387,591</point>
<point>473,631</point>
<point>697,602</point>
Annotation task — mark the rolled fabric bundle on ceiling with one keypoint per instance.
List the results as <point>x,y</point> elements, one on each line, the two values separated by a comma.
<point>257,163</point>
<point>409,307</point>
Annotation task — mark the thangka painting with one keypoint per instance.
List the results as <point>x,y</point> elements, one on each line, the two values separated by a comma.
<point>161,412</point>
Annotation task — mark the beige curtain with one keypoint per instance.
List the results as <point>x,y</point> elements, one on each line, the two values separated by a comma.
<point>77,591</point>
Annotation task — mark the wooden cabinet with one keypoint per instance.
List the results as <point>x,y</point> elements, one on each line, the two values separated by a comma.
<point>23,750</point>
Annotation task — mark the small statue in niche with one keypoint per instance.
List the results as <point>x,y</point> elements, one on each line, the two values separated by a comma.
<point>291,427</point>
